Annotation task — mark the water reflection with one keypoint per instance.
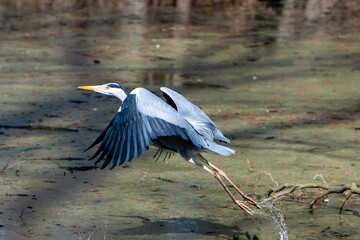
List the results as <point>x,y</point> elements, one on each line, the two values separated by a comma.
<point>148,26</point>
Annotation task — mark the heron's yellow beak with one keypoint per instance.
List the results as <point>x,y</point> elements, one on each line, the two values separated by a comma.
<point>92,88</point>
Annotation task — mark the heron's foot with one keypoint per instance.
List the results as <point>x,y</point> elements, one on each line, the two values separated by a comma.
<point>244,207</point>
<point>243,195</point>
<point>251,201</point>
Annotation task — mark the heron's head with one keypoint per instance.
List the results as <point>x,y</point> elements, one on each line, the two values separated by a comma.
<point>112,89</point>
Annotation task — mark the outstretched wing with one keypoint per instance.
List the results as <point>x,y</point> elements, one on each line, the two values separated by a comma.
<point>143,118</point>
<point>197,118</point>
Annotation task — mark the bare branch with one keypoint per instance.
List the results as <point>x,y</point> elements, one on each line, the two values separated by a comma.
<point>287,189</point>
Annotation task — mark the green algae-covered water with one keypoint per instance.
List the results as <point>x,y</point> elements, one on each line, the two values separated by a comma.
<point>279,78</point>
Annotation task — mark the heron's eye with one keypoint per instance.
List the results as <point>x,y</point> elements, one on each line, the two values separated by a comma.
<point>107,87</point>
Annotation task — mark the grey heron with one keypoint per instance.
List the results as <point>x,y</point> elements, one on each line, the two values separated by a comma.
<point>176,125</point>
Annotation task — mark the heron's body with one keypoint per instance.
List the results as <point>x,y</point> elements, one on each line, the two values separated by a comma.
<point>145,119</point>
<point>177,125</point>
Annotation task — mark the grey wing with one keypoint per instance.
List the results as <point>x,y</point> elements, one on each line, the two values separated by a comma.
<point>123,139</point>
<point>143,118</point>
<point>153,107</point>
<point>197,118</point>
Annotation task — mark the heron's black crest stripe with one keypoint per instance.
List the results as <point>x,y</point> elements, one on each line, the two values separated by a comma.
<point>113,85</point>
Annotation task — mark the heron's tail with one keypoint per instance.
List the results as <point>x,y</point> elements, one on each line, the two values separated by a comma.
<point>216,148</point>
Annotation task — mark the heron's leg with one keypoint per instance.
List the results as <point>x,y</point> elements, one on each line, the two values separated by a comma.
<point>199,162</point>
<point>237,202</point>
<point>223,174</point>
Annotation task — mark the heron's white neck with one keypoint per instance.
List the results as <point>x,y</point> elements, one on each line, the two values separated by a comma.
<point>119,93</point>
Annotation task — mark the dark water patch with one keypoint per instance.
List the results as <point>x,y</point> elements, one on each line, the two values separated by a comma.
<point>69,159</point>
<point>56,158</point>
<point>353,212</point>
<point>177,225</point>
<point>355,69</point>
<point>188,75</point>
<point>31,149</point>
<point>158,77</point>
<point>79,169</point>
<point>39,128</point>
<point>90,129</point>
<point>195,85</point>
<point>269,138</point>
<point>173,181</point>
<point>51,115</point>
<point>159,58</point>
<point>77,101</point>
<point>33,196</point>
<point>343,234</point>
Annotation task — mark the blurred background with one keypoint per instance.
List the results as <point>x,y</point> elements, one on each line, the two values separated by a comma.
<point>279,78</point>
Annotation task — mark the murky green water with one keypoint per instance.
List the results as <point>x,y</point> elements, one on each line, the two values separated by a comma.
<point>282,81</point>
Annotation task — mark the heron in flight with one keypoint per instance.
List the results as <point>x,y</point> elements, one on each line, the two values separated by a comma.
<point>175,126</point>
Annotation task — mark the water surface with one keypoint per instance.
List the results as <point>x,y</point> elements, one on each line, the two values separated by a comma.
<point>281,81</point>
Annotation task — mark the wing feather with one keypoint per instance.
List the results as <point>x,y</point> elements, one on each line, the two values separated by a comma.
<point>197,118</point>
<point>120,160</point>
<point>110,151</point>
<point>116,150</point>
<point>134,142</point>
<point>151,106</point>
<point>146,133</point>
<point>107,147</point>
<point>140,139</point>
<point>103,143</point>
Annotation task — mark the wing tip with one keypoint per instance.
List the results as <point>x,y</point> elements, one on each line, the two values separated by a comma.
<point>86,149</point>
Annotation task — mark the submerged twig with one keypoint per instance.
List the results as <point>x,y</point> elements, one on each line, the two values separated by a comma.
<point>2,171</point>
<point>270,176</point>
<point>249,165</point>
<point>7,166</point>
<point>144,176</point>
<point>79,234</point>
<point>106,222</point>
<point>319,175</point>
<point>22,212</point>
<point>343,204</point>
